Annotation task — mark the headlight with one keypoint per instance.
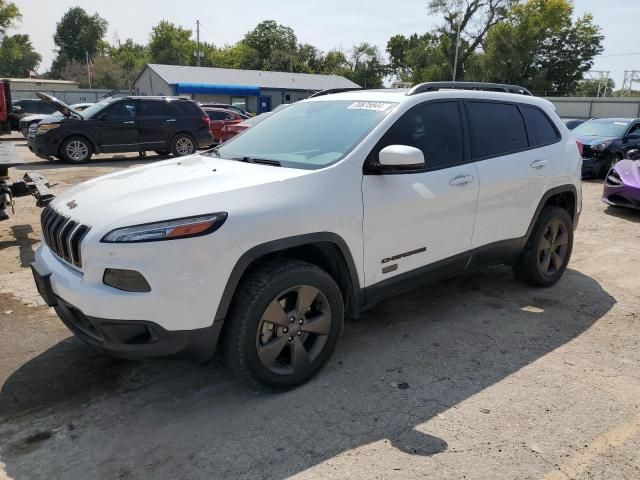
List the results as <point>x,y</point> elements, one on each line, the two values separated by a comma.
<point>45,128</point>
<point>168,230</point>
<point>601,147</point>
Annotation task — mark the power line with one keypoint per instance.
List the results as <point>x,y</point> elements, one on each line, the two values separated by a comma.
<point>618,55</point>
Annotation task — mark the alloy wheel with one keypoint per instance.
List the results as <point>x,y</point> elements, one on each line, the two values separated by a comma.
<point>184,146</point>
<point>553,247</point>
<point>77,150</point>
<point>293,330</point>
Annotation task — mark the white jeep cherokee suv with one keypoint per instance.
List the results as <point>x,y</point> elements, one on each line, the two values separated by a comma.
<point>325,209</point>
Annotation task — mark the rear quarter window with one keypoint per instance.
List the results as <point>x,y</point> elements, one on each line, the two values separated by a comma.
<point>496,129</point>
<point>541,129</point>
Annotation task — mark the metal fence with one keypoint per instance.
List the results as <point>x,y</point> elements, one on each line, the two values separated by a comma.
<point>586,107</point>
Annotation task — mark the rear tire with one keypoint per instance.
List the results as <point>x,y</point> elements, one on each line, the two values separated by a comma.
<point>183,144</point>
<point>76,150</point>
<point>548,250</point>
<point>262,344</point>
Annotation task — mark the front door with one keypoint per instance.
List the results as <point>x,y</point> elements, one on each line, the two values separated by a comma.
<point>264,104</point>
<point>118,127</point>
<point>416,218</point>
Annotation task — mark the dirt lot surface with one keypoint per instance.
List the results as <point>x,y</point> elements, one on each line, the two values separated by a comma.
<point>478,377</point>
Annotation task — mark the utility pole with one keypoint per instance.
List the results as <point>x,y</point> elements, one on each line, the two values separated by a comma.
<point>198,43</point>
<point>455,61</point>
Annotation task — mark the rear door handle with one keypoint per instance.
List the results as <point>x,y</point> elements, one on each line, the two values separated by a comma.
<point>538,164</point>
<point>461,180</point>
<point>171,120</point>
<point>130,122</point>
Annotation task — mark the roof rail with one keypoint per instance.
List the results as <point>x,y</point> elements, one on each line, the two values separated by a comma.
<point>331,91</point>
<point>490,87</point>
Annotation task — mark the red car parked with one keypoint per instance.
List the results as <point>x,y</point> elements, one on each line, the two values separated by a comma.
<point>231,130</point>
<point>219,119</point>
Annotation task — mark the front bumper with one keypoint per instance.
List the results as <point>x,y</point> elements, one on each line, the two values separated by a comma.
<point>129,338</point>
<point>42,149</point>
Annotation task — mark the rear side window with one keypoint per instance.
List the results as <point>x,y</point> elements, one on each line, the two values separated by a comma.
<point>154,108</point>
<point>434,128</point>
<point>541,130</point>
<point>496,129</point>
<point>189,109</point>
<point>219,116</point>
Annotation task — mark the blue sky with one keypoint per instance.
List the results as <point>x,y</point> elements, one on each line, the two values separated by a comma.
<point>326,24</point>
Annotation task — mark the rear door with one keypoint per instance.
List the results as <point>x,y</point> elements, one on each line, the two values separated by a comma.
<point>218,120</point>
<point>117,127</point>
<point>156,123</point>
<point>514,166</point>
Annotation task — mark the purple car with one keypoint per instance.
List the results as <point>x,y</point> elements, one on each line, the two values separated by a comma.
<point>622,184</point>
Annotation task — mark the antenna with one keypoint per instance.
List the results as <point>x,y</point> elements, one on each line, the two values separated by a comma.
<point>198,53</point>
<point>630,76</point>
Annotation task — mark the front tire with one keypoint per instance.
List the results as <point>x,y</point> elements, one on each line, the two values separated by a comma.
<point>284,323</point>
<point>548,250</point>
<point>76,150</point>
<point>183,144</point>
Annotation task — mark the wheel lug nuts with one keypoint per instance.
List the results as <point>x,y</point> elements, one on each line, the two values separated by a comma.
<point>299,334</point>
<point>291,339</point>
<point>292,319</point>
<point>285,329</point>
<point>300,321</point>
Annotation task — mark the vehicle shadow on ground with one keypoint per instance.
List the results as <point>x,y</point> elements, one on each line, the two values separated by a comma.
<point>628,214</point>
<point>74,413</point>
<point>23,242</point>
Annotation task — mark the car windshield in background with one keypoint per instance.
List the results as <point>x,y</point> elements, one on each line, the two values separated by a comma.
<point>602,128</point>
<point>95,108</point>
<point>308,135</point>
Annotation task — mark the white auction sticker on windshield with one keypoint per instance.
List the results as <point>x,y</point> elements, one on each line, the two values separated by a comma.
<point>375,106</point>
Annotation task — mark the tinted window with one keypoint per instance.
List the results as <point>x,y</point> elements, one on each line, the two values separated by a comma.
<point>635,130</point>
<point>124,110</point>
<point>434,128</point>
<point>157,108</point>
<point>496,129</point>
<point>219,116</point>
<point>541,130</point>
<point>188,108</point>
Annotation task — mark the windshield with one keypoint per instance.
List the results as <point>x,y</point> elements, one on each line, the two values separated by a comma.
<point>95,108</point>
<point>598,128</point>
<point>308,135</point>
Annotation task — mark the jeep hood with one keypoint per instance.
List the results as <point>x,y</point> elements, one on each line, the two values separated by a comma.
<point>60,106</point>
<point>174,188</point>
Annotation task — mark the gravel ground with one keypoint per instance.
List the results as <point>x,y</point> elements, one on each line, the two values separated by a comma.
<point>478,377</point>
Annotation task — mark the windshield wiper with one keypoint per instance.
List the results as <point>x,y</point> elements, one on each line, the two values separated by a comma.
<point>261,161</point>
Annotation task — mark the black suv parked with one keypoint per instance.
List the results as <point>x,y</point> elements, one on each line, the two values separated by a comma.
<point>130,124</point>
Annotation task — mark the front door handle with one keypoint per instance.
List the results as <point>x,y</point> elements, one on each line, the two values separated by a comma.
<point>461,180</point>
<point>538,164</point>
<point>130,122</point>
<point>171,120</point>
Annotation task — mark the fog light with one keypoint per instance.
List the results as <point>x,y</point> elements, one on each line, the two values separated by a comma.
<point>127,280</point>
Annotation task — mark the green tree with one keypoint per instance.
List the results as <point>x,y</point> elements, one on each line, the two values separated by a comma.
<point>78,33</point>
<point>129,58</point>
<point>474,19</point>
<point>9,14</point>
<point>239,55</point>
<point>590,88</point>
<point>541,47</point>
<point>275,44</point>
<point>171,44</point>
<point>17,56</point>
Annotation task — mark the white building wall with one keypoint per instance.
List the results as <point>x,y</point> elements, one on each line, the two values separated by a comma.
<point>150,83</point>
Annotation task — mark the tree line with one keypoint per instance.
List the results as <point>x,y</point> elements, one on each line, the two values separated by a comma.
<point>534,43</point>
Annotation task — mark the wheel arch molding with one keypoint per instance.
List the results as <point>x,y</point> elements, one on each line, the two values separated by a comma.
<point>324,249</point>
<point>557,196</point>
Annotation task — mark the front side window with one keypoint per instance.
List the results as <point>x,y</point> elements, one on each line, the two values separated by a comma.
<point>239,102</point>
<point>496,129</point>
<point>435,128</point>
<point>309,135</point>
<point>124,110</point>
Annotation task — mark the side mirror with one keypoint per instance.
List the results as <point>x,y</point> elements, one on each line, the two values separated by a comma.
<point>17,109</point>
<point>401,156</point>
<point>633,136</point>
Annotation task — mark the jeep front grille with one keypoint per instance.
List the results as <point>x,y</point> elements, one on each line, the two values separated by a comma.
<point>63,235</point>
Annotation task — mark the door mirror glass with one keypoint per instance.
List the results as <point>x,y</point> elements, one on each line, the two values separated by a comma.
<point>401,156</point>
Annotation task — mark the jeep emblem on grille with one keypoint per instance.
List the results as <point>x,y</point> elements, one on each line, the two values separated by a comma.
<point>72,204</point>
